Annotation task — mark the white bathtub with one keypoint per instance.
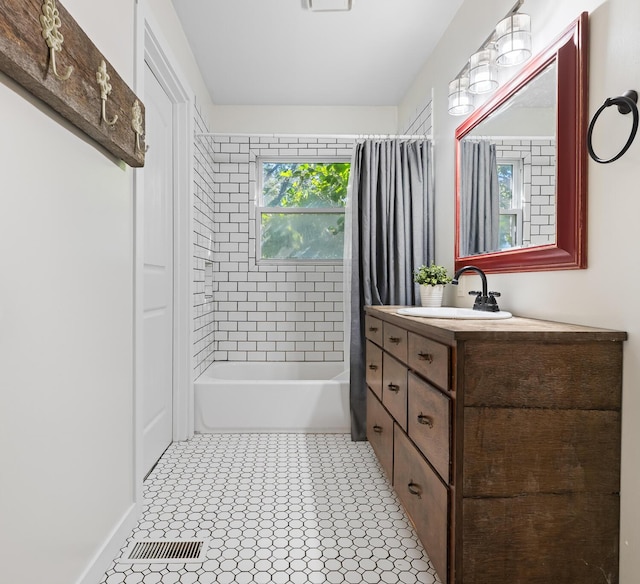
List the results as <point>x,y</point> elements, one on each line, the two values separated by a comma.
<point>272,397</point>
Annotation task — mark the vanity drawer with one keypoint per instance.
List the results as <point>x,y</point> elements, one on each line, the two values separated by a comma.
<point>373,368</point>
<point>429,424</point>
<point>380,433</point>
<point>394,388</point>
<point>373,329</point>
<point>425,499</point>
<point>395,341</point>
<point>430,359</point>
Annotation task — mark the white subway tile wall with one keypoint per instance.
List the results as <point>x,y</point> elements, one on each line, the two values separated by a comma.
<point>539,167</point>
<point>421,121</point>
<point>268,312</point>
<point>203,237</point>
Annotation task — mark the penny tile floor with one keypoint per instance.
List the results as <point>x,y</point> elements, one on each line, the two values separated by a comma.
<point>277,508</point>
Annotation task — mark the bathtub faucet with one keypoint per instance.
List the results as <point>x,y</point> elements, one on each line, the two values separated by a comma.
<point>485,301</point>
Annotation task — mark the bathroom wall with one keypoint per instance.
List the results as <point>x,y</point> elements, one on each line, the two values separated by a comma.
<point>67,412</point>
<point>304,119</point>
<point>66,329</point>
<point>203,241</point>
<point>167,27</point>
<point>419,120</point>
<point>269,312</point>
<point>607,292</point>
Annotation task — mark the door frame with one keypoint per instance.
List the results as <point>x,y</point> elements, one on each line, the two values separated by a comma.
<point>152,50</point>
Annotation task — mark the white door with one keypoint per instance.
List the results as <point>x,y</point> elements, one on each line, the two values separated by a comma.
<point>157,396</point>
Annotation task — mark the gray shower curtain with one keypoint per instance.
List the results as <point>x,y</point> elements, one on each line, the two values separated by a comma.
<point>392,226</point>
<point>479,198</point>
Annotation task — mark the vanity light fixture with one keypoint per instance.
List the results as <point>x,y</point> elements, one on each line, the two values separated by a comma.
<point>460,98</point>
<point>483,72</point>
<point>508,44</point>
<point>513,40</point>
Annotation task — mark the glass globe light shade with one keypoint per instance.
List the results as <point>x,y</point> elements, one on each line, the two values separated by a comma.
<point>460,100</point>
<point>483,72</point>
<point>513,40</point>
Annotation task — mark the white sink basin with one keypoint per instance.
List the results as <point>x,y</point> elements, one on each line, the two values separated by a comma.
<point>452,312</point>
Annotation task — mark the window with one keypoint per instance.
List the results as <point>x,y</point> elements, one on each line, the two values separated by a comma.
<point>301,209</point>
<point>510,188</point>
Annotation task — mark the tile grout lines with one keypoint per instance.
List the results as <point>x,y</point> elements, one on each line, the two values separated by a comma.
<point>280,508</point>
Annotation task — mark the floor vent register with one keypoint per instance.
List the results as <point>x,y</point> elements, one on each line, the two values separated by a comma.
<point>165,551</point>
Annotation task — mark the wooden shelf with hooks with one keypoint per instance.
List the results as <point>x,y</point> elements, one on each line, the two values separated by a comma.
<point>44,49</point>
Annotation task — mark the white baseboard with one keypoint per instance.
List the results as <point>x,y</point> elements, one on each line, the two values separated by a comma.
<point>111,547</point>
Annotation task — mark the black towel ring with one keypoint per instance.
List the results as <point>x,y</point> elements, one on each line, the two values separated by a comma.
<point>626,103</point>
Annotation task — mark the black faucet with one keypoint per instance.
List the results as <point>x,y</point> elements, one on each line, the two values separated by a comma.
<point>485,301</point>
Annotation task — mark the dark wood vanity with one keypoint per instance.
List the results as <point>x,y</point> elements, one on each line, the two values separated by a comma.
<point>502,441</point>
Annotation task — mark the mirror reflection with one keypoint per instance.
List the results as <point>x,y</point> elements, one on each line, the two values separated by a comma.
<point>507,168</point>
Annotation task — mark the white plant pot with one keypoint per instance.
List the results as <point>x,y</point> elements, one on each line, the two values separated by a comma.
<point>431,295</point>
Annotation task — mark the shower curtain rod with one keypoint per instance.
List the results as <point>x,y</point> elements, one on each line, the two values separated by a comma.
<point>345,136</point>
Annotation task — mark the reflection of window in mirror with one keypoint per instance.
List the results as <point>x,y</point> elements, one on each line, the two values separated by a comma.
<point>529,218</point>
<point>510,188</point>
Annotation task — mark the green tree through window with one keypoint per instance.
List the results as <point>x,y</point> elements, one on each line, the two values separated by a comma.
<point>302,210</point>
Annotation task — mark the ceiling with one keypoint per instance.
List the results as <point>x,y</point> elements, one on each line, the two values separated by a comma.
<point>275,52</point>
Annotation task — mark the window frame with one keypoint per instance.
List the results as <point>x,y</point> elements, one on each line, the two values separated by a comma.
<point>517,195</point>
<point>261,209</point>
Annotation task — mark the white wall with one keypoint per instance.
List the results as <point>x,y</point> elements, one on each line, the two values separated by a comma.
<point>66,363</point>
<point>68,492</point>
<point>167,25</point>
<point>303,120</point>
<point>606,294</point>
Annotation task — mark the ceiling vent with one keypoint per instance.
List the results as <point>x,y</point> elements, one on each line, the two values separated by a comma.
<point>328,5</point>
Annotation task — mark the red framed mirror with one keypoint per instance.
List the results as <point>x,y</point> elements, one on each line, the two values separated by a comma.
<point>522,245</point>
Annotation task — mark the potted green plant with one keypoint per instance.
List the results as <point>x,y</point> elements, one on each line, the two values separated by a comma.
<point>432,280</point>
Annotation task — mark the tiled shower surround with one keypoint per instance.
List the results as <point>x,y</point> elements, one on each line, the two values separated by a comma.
<point>203,209</point>
<point>266,312</point>
<point>245,310</point>
<point>421,122</point>
<point>539,168</point>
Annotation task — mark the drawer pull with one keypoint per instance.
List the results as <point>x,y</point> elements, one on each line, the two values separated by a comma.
<point>415,489</point>
<point>373,329</point>
<point>428,357</point>
<point>373,367</point>
<point>393,387</point>
<point>425,420</point>
<point>394,340</point>
<point>377,429</point>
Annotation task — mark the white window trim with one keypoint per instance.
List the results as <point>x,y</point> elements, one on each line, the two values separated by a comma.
<point>517,213</point>
<point>260,208</point>
<point>517,197</point>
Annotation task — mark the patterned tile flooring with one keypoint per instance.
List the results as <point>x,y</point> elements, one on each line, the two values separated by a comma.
<point>278,508</point>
